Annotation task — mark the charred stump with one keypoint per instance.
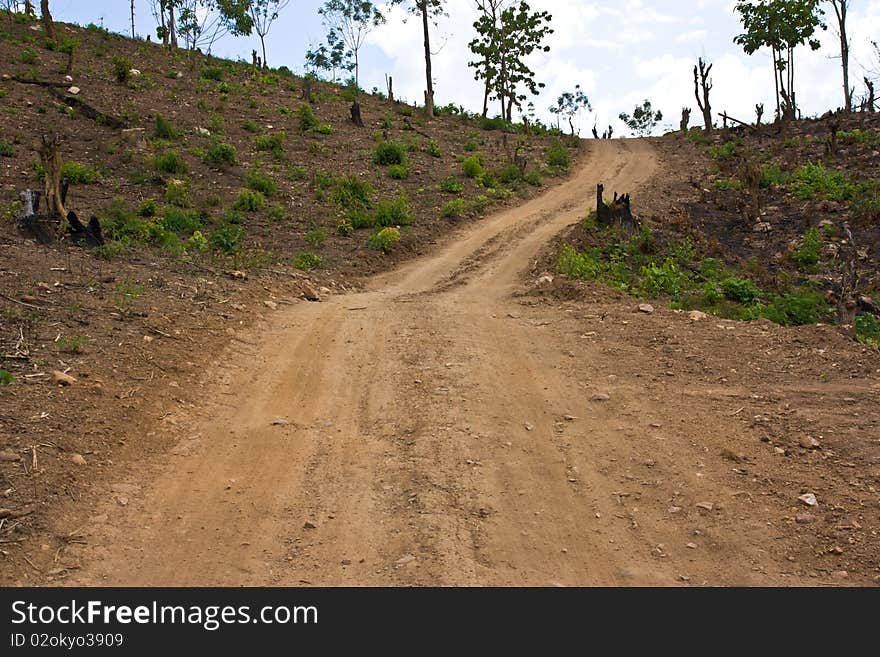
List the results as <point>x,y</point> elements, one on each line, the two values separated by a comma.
<point>307,90</point>
<point>28,219</point>
<point>50,158</point>
<point>356,114</point>
<point>685,119</point>
<point>616,213</point>
<point>85,234</point>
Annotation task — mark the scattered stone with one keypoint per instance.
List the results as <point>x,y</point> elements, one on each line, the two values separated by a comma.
<point>122,500</point>
<point>149,339</point>
<point>271,305</point>
<point>808,442</point>
<point>674,510</point>
<point>309,525</point>
<point>836,551</point>
<point>280,422</point>
<point>601,397</point>
<point>77,459</point>
<point>804,519</point>
<point>840,574</point>
<point>646,308</point>
<point>706,506</point>
<point>204,132</point>
<point>309,293</point>
<point>74,91</point>
<point>809,499</point>
<point>780,451</point>
<point>179,75</point>
<point>68,79</point>
<point>403,561</point>
<point>697,316</point>
<point>544,280</point>
<point>692,546</point>
<point>62,379</point>
<point>570,418</point>
<point>529,426</point>
<point>763,227</point>
<point>8,456</point>
<point>133,72</point>
<point>238,275</point>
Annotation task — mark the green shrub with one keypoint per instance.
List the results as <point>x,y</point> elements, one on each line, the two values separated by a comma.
<point>121,69</point>
<point>455,208</point>
<point>510,174</point>
<point>250,126</point>
<point>182,221</point>
<point>773,175</point>
<point>79,174</point>
<point>666,279</point>
<point>471,146</point>
<point>810,250</point>
<point>533,178</point>
<point>866,202</point>
<point>741,290</point>
<point>725,152</point>
<point>868,329</point>
<point>261,183</point>
<point>863,137</point>
<point>472,166</point>
<point>149,208</point>
<point>6,149</point>
<point>434,149</point>
<point>577,265</point>
<point>398,172</point>
<point>351,193</point>
<point>451,185</point>
<point>360,219</point>
<point>165,129</point>
<point>212,73</point>
<point>814,180</point>
<point>271,143</point>
<point>306,261</point>
<point>497,123</point>
<point>385,239</point>
<point>390,152</point>
<point>727,184</point>
<point>557,155</point>
<point>177,193</point>
<point>395,212</point>
<point>170,162</point>
<point>316,236</point>
<point>308,121</point>
<point>29,57</point>
<point>221,154</point>
<point>249,200</point>
<point>489,180</point>
<point>6,378</point>
<point>227,238</point>
<point>797,309</point>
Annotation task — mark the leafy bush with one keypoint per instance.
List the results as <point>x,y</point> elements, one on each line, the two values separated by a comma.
<point>725,152</point>
<point>868,329</point>
<point>308,121</point>
<point>727,184</point>
<point>773,175</point>
<point>306,261</point>
<point>434,149</point>
<point>6,378</point>
<point>352,193</point>
<point>79,174</point>
<point>578,265</point>
<point>249,200</point>
<point>866,202</point>
<point>472,166</point>
<point>360,218</point>
<point>165,129</point>
<point>797,308</point>
<point>451,186</point>
<point>271,143</point>
<point>250,126</point>
<point>121,69</point>
<point>385,239</point>
<point>814,180</point>
<point>212,73</point>
<point>390,152</point>
<point>29,57</point>
<point>741,290</point>
<point>177,193</point>
<point>497,123</point>
<point>316,236</point>
<point>260,183</point>
<point>863,137</point>
<point>395,212</point>
<point>398,172</point>
<point>810,250</point>
<point>455,208</point>
<point>181,221</point>
<point>170,162</point>
<point>227,238</point>
<point>149,208</point>
<point>533,178</point>
<point>666,279</point>
<point>221,154</point>
<point>6,149</point>
<point>557,155</point>
<point>510,174</point>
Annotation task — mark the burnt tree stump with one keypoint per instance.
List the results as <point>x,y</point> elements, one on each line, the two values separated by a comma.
<point>616,213</point>
<point>356,114</point>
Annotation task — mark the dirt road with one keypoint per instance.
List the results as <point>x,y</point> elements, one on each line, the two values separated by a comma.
<point>436,430</point>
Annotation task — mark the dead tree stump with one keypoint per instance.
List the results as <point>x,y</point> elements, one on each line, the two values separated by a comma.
<point>685,119</point>
<point>356,114</point>
<point>618,212</point>
<point>50,158</point>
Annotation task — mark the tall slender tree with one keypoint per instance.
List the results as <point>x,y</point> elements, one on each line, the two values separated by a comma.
<point>263,13</point>
<point>133,33</point>
<point>703,83</point>
<point>349,22</point>
<point>490,14</point>
<point>428,11</point>
<point>48,23</point>
<point>841,11</point>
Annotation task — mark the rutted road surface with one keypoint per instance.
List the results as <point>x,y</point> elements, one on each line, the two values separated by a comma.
<point>432,431</point>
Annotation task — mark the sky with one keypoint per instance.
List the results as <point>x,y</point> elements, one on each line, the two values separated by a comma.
<point>620,53</point>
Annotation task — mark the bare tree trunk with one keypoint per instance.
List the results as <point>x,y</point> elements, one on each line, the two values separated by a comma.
<point>841,8</point>
<point>28,8</point>
<point>50,158</point>
<point>172,29</point>
<point>48,23</point>
<point>429,91</point>
<point>133,33</point>
<point>263,43</point>
<point>702,81</point>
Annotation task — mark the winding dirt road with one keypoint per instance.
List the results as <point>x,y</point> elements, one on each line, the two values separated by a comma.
<point>432,430</point>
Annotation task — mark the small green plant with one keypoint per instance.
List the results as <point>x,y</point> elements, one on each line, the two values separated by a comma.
<point>227,239</point>
<point>177,193</point>
<point>212,73</point>
<point>451,185</point>
<point>395,212</point>
<point>810,250</point>
<point>773,175</point>
<point>73,344</point>
<point>121,69</point>
<point>316,236</point>
<point>577,265</point>
<point>171,162</point>
<point>182,221</point>
<point>149,208</point>
<point>727,184</point>
<point>6,149</point>
<point>724,153</point>
<point>221,154</point>
<point>261,183</point>
<point>306,261</point>
<point>454,208</point>
<point>249,200</point>
<point>28,57</point>
<point>250,126</point>
<point>390,152</point>
<point>434,149</point>
<point>868,329</point>
<point>472,166</point>
<point>814,180</point>
<point>741,290</point>
<point>165,129</point>
<point>6,378</point>
<point>398,172</point>
<point>349,193</point>
<point>557,155</point>
<point>385,239</point>
<point>79,174</point>
<point>308,120</point>
<point>510,174</point>
<point>272,143</point>
<point>533,178</point>
<point>198,242</point>
<point>664,280</point>
<point>126,293</point>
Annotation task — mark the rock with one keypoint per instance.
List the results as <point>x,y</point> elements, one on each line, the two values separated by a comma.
<point>809,499</point>
<point>840,574</point>
<point>309,525</point>
<point>149,339</point>
<point>74,91</point>
<point>763,227</point>
<point>122,500</point>
<point>133,72</point>
<point>808,442</point>
<point>204,132</point>
<point>77,459</point>
<point>529,426</point>
<point>271,305</point>
<point>62,379</point>
<point>309,293</point>
<point>68,79</point>
<point>8,456</point>
<point>675,510</point>
<point>706,506</point>
<point>692,546</point>
<point>601,397</point>
<point>5,513</point>
<point>280,422</point>
<point>179,75</point>
<point>238,275</point>
<point>646,308</point>
<point>403,561</point>
<point>544,280</point>
<point>697,316</point>
<point>804,519</point>
<point>825,223</point>
<point>837,551</point>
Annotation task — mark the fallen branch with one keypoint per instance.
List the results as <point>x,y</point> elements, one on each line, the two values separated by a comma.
<point>20,303</point>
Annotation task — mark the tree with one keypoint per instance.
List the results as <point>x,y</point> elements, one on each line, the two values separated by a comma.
<point>703,83</point>
<point>782,26</point>
<point>203,22</point>
<point>570,104</point>
<point>349,22</point>
<point>490,10</point>
<point>428,11</point>
<point>841,9</point>
<point>263,13</point>
<point>328,57</point>
<point>48,23</point>
<point>504,48</point>
<point>643,120</point>
<point>163,10</point>
<point>133,33</point>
